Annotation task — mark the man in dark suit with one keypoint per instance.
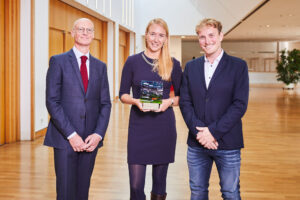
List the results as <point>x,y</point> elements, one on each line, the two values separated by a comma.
<point>213,99</point>
<point>78,101</point>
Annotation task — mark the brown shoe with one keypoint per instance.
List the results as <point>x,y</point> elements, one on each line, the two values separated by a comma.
<point>158,197</point>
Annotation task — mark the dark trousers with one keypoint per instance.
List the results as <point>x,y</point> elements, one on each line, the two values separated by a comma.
<point>73,173</point>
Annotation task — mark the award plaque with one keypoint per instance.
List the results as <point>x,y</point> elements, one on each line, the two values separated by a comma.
<point>151,94</point>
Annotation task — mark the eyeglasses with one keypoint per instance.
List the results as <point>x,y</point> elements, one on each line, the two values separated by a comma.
<point>81,30</point>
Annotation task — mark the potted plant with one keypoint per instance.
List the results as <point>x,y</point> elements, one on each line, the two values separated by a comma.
<point>288,68</point>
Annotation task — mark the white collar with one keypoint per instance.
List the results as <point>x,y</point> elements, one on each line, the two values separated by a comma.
<point>78,54</point>
<point>217,59</point>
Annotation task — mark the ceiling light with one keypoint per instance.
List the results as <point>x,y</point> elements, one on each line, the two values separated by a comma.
<point>268,25</point>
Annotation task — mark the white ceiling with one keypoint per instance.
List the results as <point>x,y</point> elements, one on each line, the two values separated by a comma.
<point>277,20</point>
<point>229,12</point>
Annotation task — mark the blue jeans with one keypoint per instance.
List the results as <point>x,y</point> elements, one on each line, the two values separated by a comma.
<point>228,164</point>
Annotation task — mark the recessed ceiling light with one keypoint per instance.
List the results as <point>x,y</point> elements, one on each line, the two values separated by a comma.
<point>182,36</point>
<point>290,15</point>
<point>268,25</point>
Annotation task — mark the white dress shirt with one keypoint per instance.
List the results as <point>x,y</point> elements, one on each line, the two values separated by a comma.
<point>210,68</point>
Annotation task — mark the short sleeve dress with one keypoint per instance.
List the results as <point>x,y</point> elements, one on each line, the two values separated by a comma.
<point>151,136</point>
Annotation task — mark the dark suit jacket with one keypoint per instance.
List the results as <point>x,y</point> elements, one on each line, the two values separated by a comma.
<point>221,106</point>
<point>70,109</point>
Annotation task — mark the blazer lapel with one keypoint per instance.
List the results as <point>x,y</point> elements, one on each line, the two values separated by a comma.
<point>201,71</point>
<point>219,68</point>
<point>75,65</point>
<point>92,73</point>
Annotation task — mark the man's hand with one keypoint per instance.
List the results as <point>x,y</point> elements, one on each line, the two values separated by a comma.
<point>77,143</point>
<point>205,138</point>
<point>92,142</point>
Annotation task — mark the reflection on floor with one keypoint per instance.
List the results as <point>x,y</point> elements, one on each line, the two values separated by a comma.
<point>270,161</point>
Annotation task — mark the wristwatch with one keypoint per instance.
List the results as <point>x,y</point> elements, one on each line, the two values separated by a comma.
<point>172,102</point>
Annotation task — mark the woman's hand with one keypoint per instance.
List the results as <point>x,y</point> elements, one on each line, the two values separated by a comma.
<point>166,103</point>
<point>139,104</point>
<point>126,98</point>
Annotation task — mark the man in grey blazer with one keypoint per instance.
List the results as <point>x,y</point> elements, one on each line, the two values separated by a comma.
<point>78,101</point>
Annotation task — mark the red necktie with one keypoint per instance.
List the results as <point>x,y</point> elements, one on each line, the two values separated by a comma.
<point>83,71</point>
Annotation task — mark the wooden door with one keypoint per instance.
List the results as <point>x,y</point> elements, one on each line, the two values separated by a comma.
<point>69,41</point>
<point>95,49</point>
<point>121,61</point>
<point>56,42</point>
<point>123,50</point>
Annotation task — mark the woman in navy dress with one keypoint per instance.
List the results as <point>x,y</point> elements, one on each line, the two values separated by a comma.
<point>151,134</point>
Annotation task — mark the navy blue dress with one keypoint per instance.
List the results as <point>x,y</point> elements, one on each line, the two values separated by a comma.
<point>151,135</point>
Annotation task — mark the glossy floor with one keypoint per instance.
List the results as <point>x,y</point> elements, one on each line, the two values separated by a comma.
<point>270,161</point>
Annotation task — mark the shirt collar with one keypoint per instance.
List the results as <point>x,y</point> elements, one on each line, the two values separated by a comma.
<point>217,59</point>
<point>78,54</point>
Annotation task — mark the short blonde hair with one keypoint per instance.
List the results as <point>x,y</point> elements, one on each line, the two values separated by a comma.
<point>209,22</point>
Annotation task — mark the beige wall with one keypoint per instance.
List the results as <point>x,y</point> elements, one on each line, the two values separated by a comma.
<point>175,47</point>
<point>294,45</point>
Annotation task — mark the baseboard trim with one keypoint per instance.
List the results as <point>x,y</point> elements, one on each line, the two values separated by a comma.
<point>40,133</point>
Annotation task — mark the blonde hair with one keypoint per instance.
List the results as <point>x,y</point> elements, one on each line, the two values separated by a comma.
<point>164,65</point>
<point>209,22</point>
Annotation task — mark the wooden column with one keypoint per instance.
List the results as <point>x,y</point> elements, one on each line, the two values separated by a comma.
<point>2,106</point>
<point>12,70</point>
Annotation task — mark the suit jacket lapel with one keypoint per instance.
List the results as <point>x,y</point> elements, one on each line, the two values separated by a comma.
<point>75,65</point>
<point>201,70</point>
<point>219,68</point>
<point>92,72</point>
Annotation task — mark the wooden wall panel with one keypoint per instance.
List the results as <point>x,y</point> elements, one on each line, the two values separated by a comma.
<point>57,15</point>
<point>12,70</point>
<point>69,41</point>
<point>62,17</point>
<point>121,61</point>
<point>103,53</point>
<point>122,38</point>
<point>2,108</point>
<point>56,41</point>
<point>95,47</point>
<point>124,45</point>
